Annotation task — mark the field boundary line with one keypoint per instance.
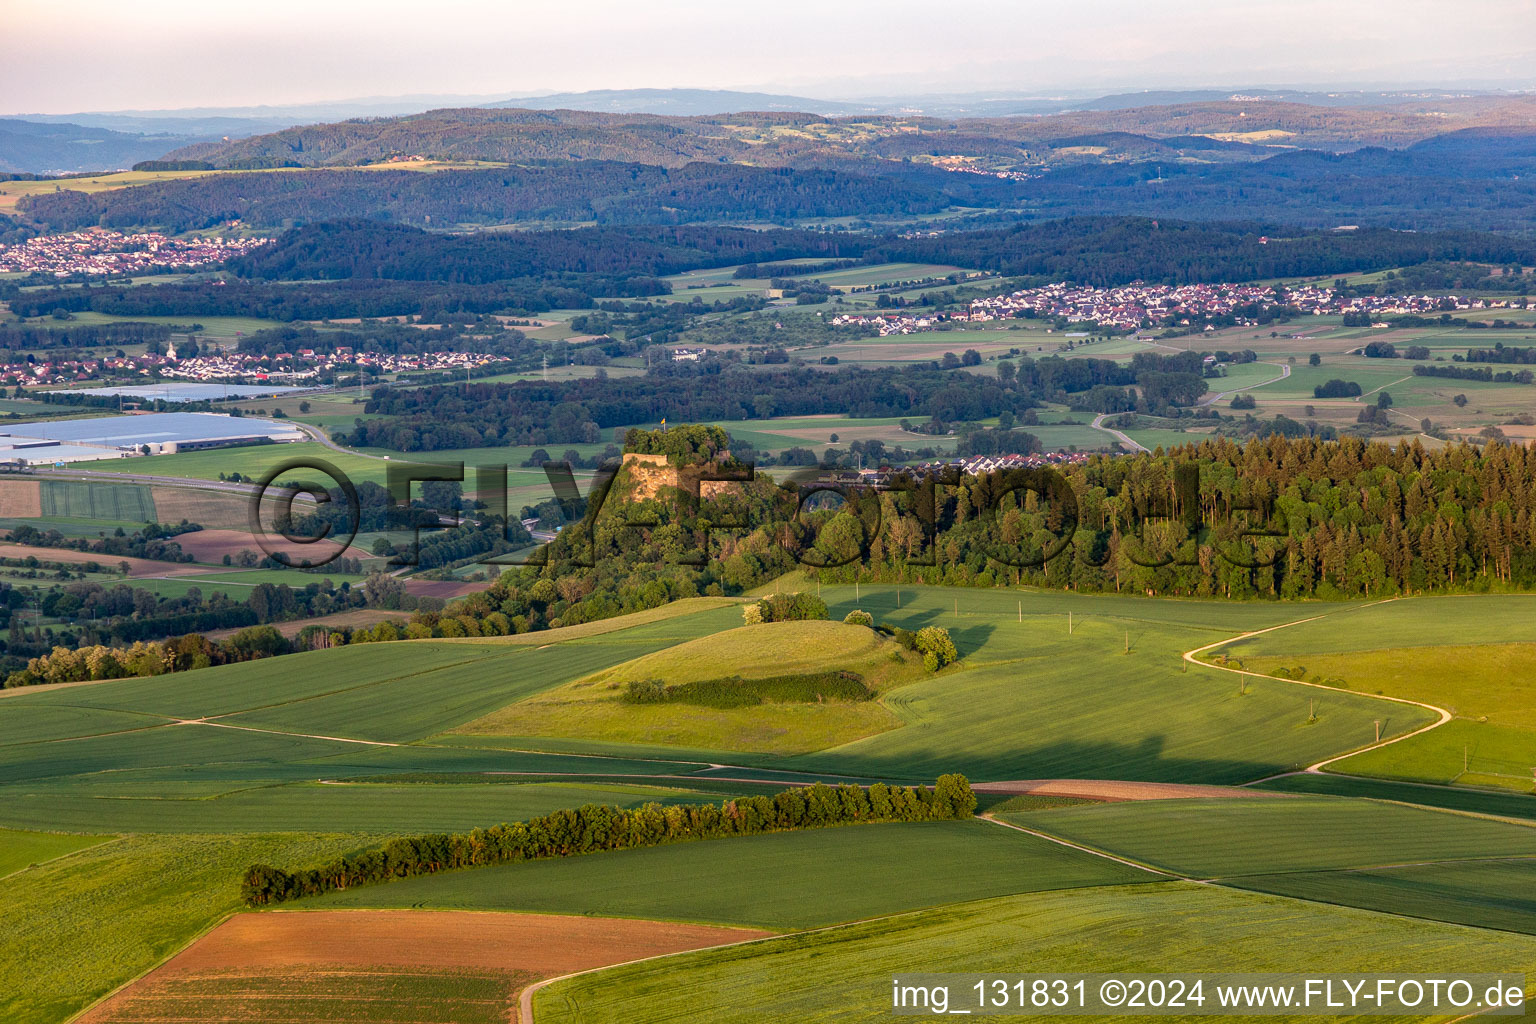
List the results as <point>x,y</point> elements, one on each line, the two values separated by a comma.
<point>1087,849</point>
<point>1491,859</point>
<point>1317,767</point>
<point>111,838</point>
<point>278,732</point>
<point>525,1002</point>
<point>173,954</point>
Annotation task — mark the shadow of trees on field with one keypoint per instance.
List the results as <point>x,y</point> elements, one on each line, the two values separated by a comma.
<point>1142,760</point>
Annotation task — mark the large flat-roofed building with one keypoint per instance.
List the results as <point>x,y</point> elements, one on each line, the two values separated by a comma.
<point>188,391</point>
<point>107,437</point>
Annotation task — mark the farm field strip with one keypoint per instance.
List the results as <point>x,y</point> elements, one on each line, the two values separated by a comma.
<point>1177,926</point>
<point>273,967</point>
<point>779,881</point>
<point>105,915</point>
<point>1491,893</point>
<point>1472,659</point>
<point>310,805</point>
<point>1224,839</point>
<point>22,850</point>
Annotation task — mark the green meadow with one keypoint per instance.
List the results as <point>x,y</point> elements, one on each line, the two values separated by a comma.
<point>845,974</point>
<point>22,850</point>
<point>1472,656</point>
<point>171,785</point>
<point>1227,838</point>
<point>80,926</point>
<point>782,881</point>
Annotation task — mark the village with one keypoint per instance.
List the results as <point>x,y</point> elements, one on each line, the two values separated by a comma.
<point>306,365</point>
<point>102,253</point>
<point>1137,306</point>
<point>972,465</point>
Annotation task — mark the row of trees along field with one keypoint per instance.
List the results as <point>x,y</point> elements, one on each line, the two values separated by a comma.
<point>593,828</point>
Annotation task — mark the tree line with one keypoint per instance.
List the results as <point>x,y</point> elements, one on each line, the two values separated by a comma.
<point>593,828</point>
<point>1483,373</point>
<point>38,337</point>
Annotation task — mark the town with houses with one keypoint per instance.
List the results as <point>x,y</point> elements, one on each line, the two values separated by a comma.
<point>1135,307</point>
<point>971,465</point>
<point>305,365</point>
<point>103,253</point>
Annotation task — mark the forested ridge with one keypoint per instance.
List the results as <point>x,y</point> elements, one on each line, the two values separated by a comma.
<point>573,411</point>
<point>597,191</point>
<point>688,171</point>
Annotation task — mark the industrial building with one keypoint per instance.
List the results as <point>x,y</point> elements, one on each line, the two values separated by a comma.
<point>163,433</point>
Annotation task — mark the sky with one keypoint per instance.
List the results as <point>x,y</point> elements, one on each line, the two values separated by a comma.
<point>89,55</point>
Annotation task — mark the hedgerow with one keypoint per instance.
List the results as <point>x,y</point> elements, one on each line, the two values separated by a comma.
<point>594,828</point>
<point>736,692</point>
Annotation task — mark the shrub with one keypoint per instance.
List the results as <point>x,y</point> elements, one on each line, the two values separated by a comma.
<point>858,618</point>
<point>736,692</point>
<point>593,827</point>
<point>936,647</point>
<point>646,691</point>
<point>792,608</point>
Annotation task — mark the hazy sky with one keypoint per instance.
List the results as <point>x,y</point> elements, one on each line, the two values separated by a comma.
<point>57,57</point>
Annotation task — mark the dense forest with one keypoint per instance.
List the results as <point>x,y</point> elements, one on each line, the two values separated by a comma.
<point>366,249</point>
<point>1106,251</point>
<point>1271,518</point>
<point>596,191</point>
<point>578,411</point>
<point>592,168</point>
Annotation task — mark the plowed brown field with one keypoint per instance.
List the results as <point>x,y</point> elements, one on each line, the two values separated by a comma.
<point>426,967</point>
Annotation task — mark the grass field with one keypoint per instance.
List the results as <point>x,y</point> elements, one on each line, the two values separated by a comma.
<point>1478,801</point>
<point>90,500</point>
<point>356,743</point>
<point>254,806</point>
<point>593,707</point>
<point>78,927</point>
<point>845,974</point>
<point>1234,838</point>
<point>782,881</point>
<point>225,328</point>
<point>21,850</point>
<point>1034,701</point>
<point>1482,894</point>
<point>1474,658</point>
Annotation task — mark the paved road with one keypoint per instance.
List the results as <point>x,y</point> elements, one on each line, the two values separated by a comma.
<point>1098,424</point>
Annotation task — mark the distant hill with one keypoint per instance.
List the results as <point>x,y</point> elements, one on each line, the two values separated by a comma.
<point>30,147</point>
<point>804,138</point>
<point>682,102</point>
